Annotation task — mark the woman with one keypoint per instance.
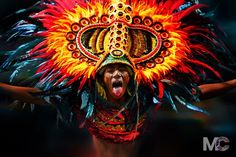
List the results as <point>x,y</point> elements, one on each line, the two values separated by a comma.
<point>111,61</point>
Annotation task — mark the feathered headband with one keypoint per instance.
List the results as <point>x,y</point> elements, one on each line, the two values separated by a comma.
<point>150,37</point>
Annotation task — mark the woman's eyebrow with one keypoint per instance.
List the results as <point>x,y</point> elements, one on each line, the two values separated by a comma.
<point>110,68</point>
<point>121,66</point>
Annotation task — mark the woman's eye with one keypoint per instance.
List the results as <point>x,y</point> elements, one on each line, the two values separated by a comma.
<point>109,70</point>
<point>122,69</point>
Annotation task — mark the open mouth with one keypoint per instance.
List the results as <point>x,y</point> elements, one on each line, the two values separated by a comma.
<point>117,84</point>
<point>117,88</point>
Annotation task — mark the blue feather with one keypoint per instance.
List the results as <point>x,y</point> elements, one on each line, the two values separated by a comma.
<point>168,95</point>
<point>24,29</point>
<point>89,110</point>
<point>184,6</point>
<point>21,67</point>
<point>20,11</point>
<point>195,108</point>
<point>85,99</point>
<point>63,83</point>
<point>155,100</point>
<point>189,105</point>
<point>22,49</point>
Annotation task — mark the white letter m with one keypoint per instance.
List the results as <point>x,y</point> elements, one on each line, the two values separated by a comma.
<point>206,144</point>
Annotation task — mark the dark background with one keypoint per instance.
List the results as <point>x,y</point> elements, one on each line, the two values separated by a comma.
<point>25,133</point>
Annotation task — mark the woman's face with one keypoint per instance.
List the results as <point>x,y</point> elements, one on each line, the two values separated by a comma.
<point>116,79</point>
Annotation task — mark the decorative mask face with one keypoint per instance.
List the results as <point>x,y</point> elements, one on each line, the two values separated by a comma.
<point>116,79</point>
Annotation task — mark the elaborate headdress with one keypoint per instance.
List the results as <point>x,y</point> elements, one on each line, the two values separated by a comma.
<point>152,37</point>
<point>166,43</point>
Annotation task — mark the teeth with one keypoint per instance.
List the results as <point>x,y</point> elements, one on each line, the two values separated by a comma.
<point>117,84</point>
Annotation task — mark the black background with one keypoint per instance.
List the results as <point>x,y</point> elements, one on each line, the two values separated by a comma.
<point>24,133</point>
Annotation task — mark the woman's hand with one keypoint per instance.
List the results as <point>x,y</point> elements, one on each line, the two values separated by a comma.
<point>23,94</point>
<point>214,89</point>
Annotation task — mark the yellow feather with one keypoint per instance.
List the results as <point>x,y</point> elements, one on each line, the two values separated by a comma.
<point>101,90</point>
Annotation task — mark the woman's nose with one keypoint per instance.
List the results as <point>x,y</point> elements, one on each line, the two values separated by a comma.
<point>116,73</point>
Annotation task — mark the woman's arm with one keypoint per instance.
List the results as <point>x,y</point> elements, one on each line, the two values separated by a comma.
<point>214,89</point>
<point>23,94</point>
